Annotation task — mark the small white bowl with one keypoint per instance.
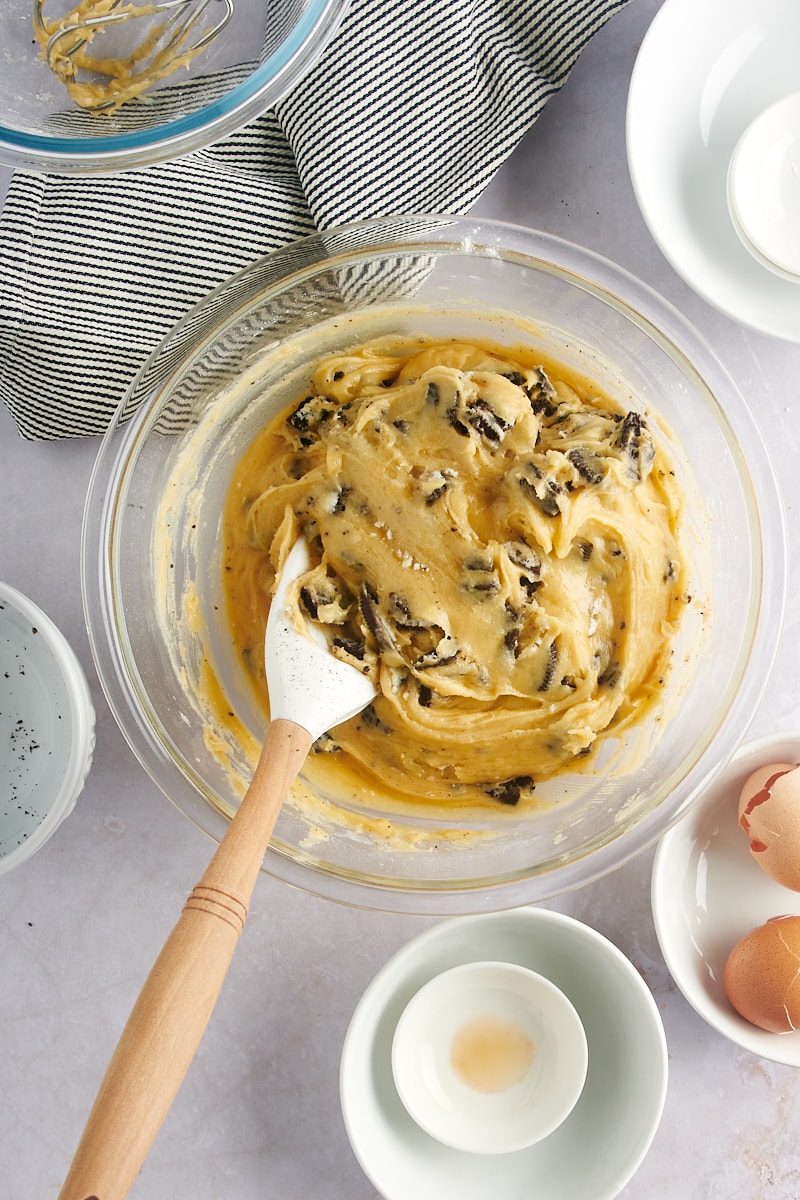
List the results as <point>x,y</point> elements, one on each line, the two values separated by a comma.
<point>47,728</point>
<point>489,1057</point>
<point>764,188</point>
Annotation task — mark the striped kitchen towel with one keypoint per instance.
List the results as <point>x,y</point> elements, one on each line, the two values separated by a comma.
<point>413,108</point>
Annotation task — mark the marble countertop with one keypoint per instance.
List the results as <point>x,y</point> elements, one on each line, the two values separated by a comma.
<point>258,1114</point>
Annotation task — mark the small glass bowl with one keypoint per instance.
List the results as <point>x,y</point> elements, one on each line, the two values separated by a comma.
<point>152,574</point>
<point>263,51</point>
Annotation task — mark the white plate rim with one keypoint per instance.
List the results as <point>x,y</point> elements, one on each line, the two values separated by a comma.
<point>464,939</point>
<point>81,715</point>
<point>735,283</point>
<point>678,856</point>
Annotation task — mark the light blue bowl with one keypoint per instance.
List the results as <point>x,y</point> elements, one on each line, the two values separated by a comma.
<point>47,728</point>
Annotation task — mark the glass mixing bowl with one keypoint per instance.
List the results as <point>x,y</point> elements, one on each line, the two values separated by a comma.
<point>263,51</point>
<point>152,559</point>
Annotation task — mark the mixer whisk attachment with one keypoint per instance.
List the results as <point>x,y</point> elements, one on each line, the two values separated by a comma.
<point>102,84</point>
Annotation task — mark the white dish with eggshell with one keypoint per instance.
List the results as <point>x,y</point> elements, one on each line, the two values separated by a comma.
<point>709,891</point>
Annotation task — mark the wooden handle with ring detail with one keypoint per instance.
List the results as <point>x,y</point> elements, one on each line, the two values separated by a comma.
<point>174,1006</point>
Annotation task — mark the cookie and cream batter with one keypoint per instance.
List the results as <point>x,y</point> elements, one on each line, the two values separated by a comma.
<point>496,546</point>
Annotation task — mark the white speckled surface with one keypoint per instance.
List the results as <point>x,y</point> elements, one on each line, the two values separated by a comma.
<point>258,1116</point>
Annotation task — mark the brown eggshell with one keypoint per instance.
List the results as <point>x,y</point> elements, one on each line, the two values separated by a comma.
<point>762,975</point>
<point>769,814</point>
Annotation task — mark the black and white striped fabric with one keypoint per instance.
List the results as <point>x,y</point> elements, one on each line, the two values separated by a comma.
<point>413,108</point>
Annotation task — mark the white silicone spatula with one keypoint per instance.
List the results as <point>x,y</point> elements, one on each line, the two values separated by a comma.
<point>310,692</point>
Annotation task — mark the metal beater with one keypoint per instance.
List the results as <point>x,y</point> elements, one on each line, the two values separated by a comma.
<point>164,46</point>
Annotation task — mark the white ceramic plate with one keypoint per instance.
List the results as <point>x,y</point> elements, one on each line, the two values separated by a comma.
<point>597,1149</point>
<point>46,728</point>
<point>707,893</point>
<point>703,73</point>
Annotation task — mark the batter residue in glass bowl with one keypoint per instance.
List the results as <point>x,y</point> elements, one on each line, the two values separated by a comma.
<point>495,542</point>
<point>103,83</point>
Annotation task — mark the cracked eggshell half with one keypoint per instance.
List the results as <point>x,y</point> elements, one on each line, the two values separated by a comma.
<point>769,814</point>
<point>762,977</point>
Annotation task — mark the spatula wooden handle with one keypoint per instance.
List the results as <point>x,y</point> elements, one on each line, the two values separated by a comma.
<point>173,1008</point>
